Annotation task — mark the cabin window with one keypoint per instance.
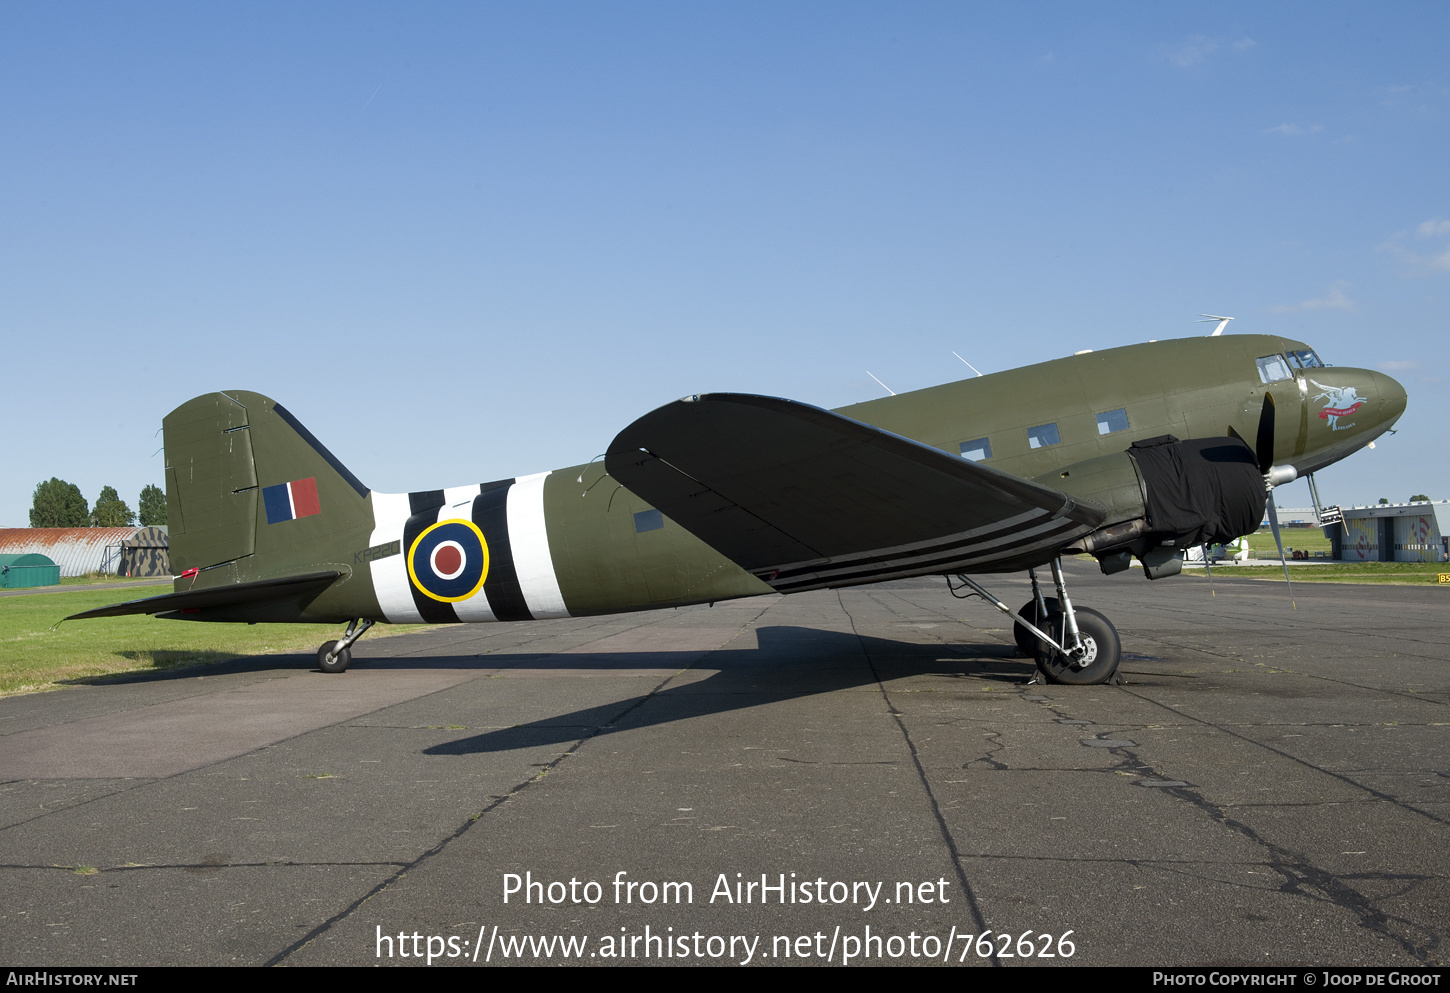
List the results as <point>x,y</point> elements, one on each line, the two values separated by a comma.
<point>977,450</point>
<point>1305,358</point>
<point>1113,420</point>
<point>648,520</point>
<point>1273,368</point>
<point>1043,435</point>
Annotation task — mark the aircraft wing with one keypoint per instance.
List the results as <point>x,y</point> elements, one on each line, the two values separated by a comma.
<point>804,498</point>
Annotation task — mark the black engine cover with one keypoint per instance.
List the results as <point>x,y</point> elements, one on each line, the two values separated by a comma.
<point>1207,490</point>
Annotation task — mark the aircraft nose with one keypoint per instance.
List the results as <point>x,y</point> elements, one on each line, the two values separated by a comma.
<point>1392,397</point>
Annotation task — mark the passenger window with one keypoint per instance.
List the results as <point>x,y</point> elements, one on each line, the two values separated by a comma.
<point>1113,420</point>
<point>977,450</point>
<point>648,520</point>
<point>1042,436</point>
<point>1273,368</point>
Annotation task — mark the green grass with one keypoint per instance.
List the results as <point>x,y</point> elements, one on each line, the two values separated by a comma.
<point>94,578</point>
<point>35,657</point>
<point>1261,543</point>
<point>1384,573</point>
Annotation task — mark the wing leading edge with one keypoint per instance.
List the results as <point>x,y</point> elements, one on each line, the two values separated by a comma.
<point>805,499</point>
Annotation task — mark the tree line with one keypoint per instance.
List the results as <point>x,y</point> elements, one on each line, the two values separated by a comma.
<point>58,504</point>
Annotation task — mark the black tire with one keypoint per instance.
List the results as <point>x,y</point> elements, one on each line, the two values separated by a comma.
<point>339,662</point>
<point>1026,640</point>
<point>1104,650</point>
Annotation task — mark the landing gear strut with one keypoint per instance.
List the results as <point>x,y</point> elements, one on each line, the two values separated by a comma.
<point>1034,612</point>
<point>1071,645</point>
<point>335,656</point>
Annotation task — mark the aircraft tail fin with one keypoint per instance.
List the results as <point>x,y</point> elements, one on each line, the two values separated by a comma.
<point>252,494</point>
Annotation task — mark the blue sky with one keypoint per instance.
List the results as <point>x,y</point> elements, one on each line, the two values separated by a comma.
<point>468,241</point>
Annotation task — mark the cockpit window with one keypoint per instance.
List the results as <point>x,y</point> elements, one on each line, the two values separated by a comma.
<point>1304,358</point>
<point>1273,368</point>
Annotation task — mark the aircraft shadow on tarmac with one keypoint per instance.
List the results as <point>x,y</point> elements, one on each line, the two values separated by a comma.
<point>790,662</point>
<point>782,647</point>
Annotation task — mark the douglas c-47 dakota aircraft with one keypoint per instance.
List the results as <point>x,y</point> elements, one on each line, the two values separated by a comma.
<point>726,495</point>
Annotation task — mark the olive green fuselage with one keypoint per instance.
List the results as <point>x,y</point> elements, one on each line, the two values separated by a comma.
<point>576,542</point>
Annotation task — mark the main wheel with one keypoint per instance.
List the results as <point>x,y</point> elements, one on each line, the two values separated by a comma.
<point>1026,640</point>
<point>339,662</point>
<point>1102,650</point>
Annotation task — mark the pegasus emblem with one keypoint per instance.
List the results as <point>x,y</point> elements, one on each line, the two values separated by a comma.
<point>1339,401</point>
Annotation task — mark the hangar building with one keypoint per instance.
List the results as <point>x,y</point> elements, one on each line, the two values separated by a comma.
<point>1394,532</point>
<point>80,551</point>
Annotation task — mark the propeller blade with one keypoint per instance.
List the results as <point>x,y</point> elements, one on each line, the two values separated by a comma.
<point>1208,569</point>
<point>1274,526</point>
<point>1264,447</point>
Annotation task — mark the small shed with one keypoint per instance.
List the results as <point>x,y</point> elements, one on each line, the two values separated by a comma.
<point>145,553</point>
<point>21,571</point>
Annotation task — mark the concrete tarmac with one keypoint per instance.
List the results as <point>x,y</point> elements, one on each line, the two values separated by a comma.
<point>1270,786</point>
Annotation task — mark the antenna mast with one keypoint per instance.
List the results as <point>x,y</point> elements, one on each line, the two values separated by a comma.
<point>1209,318</point>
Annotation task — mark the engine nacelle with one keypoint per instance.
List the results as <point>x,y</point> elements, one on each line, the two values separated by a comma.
<point>1163,496</point>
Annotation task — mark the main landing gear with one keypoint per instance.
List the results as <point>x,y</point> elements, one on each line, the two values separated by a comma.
<point>1071,645</point>
<point>335,656</point>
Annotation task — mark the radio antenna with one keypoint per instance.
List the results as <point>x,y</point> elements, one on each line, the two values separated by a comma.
<point>967,364</point>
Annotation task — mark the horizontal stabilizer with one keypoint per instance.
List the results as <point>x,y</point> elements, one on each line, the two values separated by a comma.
<point>805,498</point>
<point>232,595</point>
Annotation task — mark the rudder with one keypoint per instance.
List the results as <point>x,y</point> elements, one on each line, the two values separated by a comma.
<point>211,483</point>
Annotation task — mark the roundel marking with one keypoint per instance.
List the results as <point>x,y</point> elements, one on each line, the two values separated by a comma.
<point>449,561</point>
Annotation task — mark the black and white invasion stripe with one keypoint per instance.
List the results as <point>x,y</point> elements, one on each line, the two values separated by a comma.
<point>520,584</point>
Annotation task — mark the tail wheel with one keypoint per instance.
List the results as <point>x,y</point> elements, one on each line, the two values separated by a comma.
<point>339,661</point>
<point>1027,642</point>
<point>1102,650</point>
